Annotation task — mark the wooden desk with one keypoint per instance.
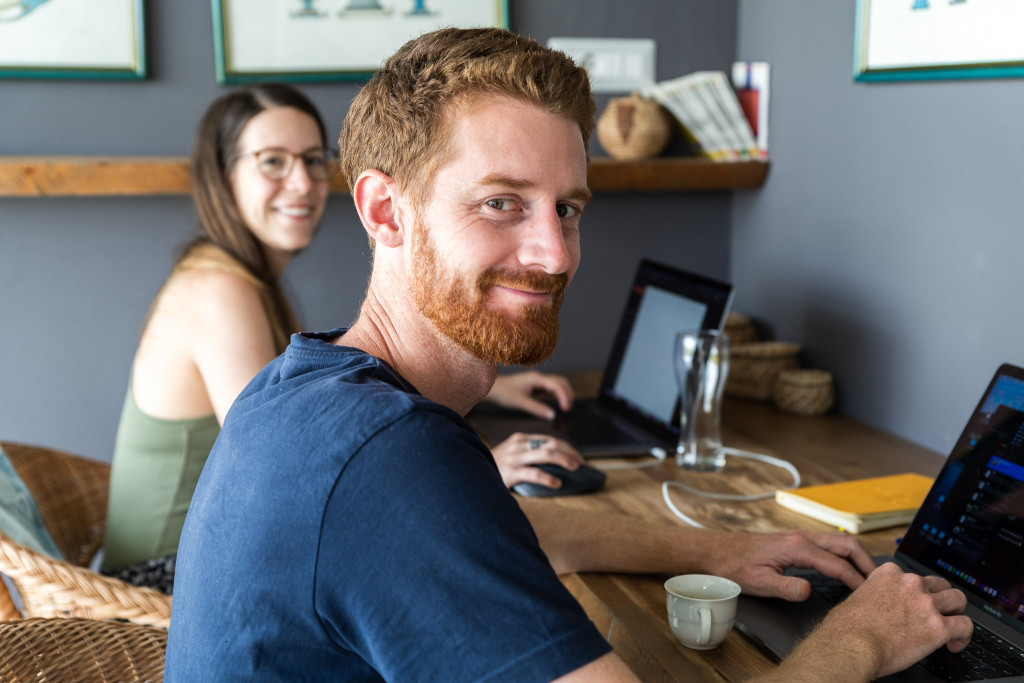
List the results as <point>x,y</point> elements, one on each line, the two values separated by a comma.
<point>630,610</point>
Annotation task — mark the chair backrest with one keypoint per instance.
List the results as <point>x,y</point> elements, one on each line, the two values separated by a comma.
<point>49,587</point>
<point>71,493</point>
<point>82,650</point>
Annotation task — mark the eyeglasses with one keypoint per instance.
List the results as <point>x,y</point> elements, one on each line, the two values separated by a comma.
<point>276,163</point>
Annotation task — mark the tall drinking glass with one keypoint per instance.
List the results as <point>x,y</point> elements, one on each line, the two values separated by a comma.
<point>702,364</point>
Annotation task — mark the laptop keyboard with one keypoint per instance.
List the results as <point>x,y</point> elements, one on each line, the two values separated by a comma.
<point>589,426</point>
<point>987,656</point>
<point>833,590</point>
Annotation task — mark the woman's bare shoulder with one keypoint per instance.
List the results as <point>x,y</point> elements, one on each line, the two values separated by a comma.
<point>208,293</point>
<point>202,307</point>
<point>203,323</point>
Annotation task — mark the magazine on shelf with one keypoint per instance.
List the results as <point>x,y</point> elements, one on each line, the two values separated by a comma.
<point>729,102</point>
<point>710,113</point>
<point>693,120</point>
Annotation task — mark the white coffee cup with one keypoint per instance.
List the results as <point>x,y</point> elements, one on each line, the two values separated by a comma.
<point>701,609</point>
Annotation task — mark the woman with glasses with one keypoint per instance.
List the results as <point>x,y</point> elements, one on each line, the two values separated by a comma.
<point>260,179</point>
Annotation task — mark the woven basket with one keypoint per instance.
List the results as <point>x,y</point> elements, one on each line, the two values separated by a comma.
<point>753,368</point>
<point>80,650</point>
<point>804,392</point>
<point>740,329</point>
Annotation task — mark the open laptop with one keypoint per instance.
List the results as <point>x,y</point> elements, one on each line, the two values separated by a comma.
<point>970,531</point>
<point>637,408</point>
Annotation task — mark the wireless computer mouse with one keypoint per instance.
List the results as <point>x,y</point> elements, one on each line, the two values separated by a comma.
<point>583,480</point>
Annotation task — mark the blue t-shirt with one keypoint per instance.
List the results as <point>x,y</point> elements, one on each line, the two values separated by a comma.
<point>347,528</point>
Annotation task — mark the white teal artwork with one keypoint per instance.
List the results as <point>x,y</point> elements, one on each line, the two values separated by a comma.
<point>925,39</point>
<point>72,39</point>
<point>308,40</point>
<point>12,10</point>
<point>355,7</point>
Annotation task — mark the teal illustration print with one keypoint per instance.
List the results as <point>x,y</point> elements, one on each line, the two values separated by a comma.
<point>11,10</point>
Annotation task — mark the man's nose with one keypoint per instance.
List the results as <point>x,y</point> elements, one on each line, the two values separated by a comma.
<point>547,244</point>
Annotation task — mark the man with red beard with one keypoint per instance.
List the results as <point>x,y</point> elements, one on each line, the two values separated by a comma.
<point>349,525</point>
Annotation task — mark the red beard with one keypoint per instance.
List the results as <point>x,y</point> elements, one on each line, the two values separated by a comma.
<point>459,309</point>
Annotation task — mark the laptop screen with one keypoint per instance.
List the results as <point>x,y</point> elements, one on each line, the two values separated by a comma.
<point>664,301</point>
<point>970,529</point>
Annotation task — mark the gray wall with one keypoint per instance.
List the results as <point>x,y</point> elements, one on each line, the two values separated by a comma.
<point>887,239</point>
<point>77,275</point>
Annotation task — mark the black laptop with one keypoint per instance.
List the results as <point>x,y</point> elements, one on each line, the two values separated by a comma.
<point>637,408</point>
<point>970,530</point>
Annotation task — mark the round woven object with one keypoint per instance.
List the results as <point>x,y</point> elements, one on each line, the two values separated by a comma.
<point>633,127</point>
<point>740,329</point>
<point>753,368</point>
<point>804,392</point>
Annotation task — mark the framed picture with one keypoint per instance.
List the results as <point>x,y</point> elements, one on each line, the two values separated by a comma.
<point>926,39</point>
<point>62,39</point>
<point>330,40</point>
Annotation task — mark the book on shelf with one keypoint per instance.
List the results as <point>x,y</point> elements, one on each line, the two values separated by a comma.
<point>861,504</point>
<point>752,80</point>
<point>698,88</point>
<point>692,121</point>
<point>705,105</point>
<point>729,104</point>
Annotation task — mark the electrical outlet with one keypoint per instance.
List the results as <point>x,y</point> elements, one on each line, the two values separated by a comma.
<point>614,64</point>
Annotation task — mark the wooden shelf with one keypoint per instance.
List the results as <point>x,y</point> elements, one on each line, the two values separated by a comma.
<point>683,174</point>
<point>149,176</point>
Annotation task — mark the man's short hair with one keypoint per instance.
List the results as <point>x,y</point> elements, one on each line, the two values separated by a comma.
<point>400,123</point>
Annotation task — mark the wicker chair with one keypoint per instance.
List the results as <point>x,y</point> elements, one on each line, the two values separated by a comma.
<point>71,493</point>
<point>81,650</point>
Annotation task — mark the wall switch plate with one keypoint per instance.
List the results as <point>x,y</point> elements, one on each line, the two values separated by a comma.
<point>614,64</point>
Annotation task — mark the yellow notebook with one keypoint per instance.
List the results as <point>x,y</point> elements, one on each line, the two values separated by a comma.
<point>862,504</point>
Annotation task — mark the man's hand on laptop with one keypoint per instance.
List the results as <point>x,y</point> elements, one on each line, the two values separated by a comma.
<point>758,561</point>
<point>518,391</point>
<point>893,620</point>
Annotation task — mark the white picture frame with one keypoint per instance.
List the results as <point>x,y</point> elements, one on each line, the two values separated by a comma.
<point>63,39</point>
<point>932,39</point>
<point>330,40</point>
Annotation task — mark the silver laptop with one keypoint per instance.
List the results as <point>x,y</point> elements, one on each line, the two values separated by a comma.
<point>637,408</point>
<point>970,531</point>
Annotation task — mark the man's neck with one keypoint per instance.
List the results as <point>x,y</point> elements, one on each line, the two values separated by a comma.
<point>438,368</point>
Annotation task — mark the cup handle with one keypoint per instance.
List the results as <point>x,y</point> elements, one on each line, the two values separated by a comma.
<point>704,615</point>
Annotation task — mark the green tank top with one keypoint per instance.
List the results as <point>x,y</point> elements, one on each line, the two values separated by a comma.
<point>153,475</point>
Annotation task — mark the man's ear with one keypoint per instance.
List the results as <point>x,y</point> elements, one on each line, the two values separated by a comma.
<point>376,197</point>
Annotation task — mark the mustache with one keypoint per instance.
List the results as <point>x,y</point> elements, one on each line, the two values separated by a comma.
<point>531,281</point>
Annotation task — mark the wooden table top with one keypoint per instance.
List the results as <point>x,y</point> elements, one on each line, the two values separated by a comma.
<point>630,609</point>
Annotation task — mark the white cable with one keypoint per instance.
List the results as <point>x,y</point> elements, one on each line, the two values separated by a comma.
<point>676,511</point>
<point>658,454</point>
<point>771,460</point>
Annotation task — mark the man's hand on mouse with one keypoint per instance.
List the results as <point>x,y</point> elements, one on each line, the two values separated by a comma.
<point>517,391</point>
<point>517,454</point>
